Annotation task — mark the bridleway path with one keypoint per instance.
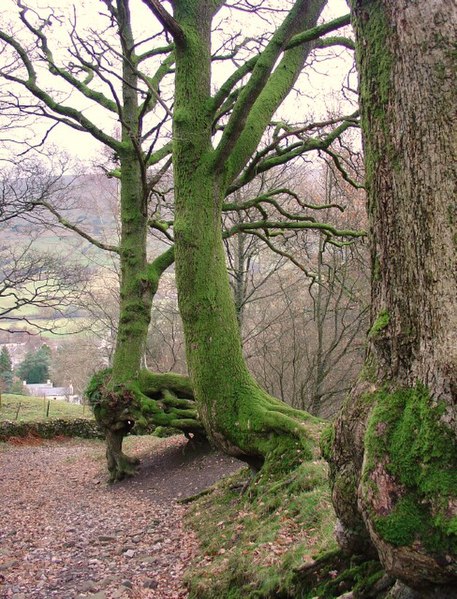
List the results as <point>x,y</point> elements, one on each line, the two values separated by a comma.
<point>66,534</point>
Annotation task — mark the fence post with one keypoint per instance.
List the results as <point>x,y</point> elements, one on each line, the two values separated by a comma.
<point>47,411</point>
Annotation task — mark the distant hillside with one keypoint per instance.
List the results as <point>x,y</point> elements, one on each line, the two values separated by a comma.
<point>89,202</point>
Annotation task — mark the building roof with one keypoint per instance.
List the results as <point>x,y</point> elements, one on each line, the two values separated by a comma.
<point>47,390</point>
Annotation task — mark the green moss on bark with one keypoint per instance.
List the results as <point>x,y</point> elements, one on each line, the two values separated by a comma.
<point>151,400</point>
<point>375,62</point>
<point>381,322</point>
<point>241,418</point>
<point>140,406</point>
<point>406,435</point>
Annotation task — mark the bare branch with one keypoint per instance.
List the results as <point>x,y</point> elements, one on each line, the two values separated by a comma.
<point>166,20</point>
<point>72,227</point>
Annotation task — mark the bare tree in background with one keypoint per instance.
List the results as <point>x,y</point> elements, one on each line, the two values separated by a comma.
<point>304,338</point>
<point>42,281</point>
<point>130,81</point>
<point>34,280</point>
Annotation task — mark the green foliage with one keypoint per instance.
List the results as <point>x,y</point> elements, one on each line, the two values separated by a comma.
<point>17,388</point>
<point>6,371</point>
<point>35,366</point>
<point>405,433</point>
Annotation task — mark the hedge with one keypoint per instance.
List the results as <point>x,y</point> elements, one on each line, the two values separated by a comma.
<point>80,427</point>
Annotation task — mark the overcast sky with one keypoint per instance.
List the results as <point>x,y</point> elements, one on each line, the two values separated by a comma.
<point>319,87</point>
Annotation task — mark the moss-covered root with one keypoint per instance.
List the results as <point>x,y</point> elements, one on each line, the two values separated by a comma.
<point>140,406</point>
<point>334,574</point>
<point>393,469</point>
<point>249,424</point>
<point>342,445</point>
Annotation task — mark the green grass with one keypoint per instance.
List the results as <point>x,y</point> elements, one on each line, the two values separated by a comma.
<point>34,408</point>
<point>274,539</point>
<point>253,543</point>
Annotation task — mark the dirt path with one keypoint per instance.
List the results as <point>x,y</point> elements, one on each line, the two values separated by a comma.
<point>66,534</point>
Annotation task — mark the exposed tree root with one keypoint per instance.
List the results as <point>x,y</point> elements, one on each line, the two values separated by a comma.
<point>336,575</point>
<point>144,405</point>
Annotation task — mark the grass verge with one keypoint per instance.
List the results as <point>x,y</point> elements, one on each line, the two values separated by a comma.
<point>273,537</point>
<point>254,542</point>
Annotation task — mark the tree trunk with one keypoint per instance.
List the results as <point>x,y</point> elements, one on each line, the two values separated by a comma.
<point>241,418</point>
<point>136,291</point>
<point>119,464</point>
<point>125,401</point>
<point>394,462</point>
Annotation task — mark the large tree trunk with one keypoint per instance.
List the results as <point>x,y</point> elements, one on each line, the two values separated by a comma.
<point>394,462</point>
<point>238,415</point>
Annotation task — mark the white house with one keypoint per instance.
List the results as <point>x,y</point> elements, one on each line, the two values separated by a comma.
<point>48,390</point>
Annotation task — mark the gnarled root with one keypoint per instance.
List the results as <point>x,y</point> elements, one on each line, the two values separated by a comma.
<point>141,406</point>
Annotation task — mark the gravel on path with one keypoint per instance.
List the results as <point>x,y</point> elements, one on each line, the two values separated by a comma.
<point>66,534</point>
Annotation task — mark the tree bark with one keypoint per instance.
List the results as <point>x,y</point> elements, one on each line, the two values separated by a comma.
<point>136,292</point>
<point>140,405</point>
<point>394,458</point>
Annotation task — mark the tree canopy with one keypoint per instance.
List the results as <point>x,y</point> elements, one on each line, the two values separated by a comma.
<point>35,366</point>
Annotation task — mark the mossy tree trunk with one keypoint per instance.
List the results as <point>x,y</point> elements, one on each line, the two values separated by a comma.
<point>136,291</point>
<point>394,457</point>
<point>239,416</point>
<point>125,397</point>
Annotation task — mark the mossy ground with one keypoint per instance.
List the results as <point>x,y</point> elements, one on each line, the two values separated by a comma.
<point>254,542</point>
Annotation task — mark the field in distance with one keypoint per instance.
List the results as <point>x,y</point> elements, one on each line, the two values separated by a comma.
<point>27,409</point>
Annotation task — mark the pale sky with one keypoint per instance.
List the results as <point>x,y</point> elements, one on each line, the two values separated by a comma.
<point>317,87</point>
